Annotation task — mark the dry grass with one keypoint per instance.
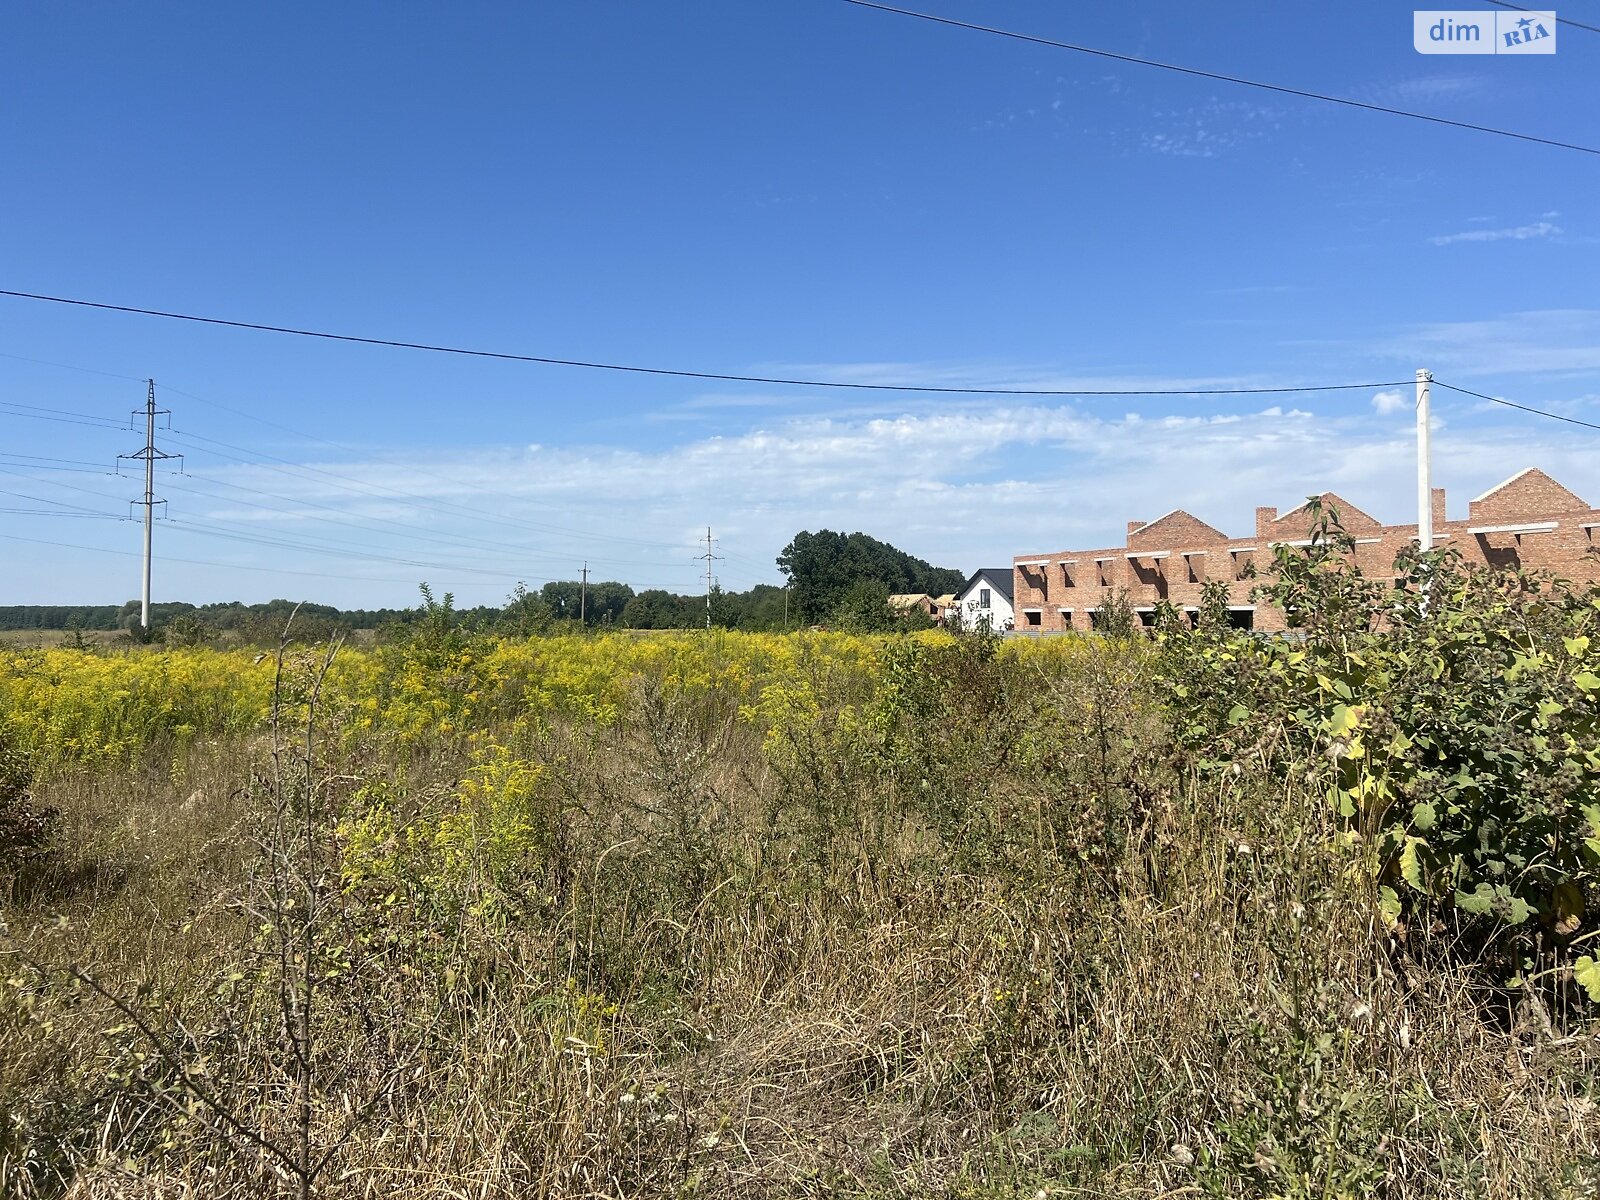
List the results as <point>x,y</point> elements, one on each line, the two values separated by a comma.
<point>1082,971</point>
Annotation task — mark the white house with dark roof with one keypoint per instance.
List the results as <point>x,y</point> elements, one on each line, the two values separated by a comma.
<point>985,599</point>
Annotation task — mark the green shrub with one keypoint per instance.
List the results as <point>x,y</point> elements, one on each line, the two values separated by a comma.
<point>1454,720</point>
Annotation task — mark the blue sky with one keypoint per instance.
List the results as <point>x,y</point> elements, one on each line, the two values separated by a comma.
<point>796,187</point>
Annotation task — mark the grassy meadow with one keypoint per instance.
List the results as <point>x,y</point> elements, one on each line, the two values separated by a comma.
<point>809,915</point>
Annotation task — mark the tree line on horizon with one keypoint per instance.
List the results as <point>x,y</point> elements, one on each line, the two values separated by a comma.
<point>838,579</point>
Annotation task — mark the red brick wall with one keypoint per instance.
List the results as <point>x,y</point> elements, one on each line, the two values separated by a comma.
<point>1157,569</point>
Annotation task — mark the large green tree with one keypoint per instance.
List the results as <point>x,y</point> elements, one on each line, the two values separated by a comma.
<point>822,567</point>
<point>603,605</point>
<point>654,608</point>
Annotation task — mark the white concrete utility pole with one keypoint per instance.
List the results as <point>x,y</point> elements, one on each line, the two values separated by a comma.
<point>1424,465</point>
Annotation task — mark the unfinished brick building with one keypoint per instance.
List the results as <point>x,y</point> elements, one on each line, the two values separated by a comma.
<point>1529,520</point>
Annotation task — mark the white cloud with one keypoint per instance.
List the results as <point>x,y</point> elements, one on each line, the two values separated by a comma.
<point>1390,402</point>
<point>1520,233</point>
<point>961,486</point>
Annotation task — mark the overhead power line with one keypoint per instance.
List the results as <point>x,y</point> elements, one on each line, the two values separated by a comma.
<point>1538,412</point>
<point>680,374</point>
<point>202,562</point>
<point>231,532</point>
<point>44,362</point>
<point>22,471</point>
<point>79,509</point>
<point>56,512</point>
<point>10,408</point>
<point>1559,20</point>
<point>1218,77</point>
<point>565,531</point>
<point>98,468</point>
<point>207,562</point>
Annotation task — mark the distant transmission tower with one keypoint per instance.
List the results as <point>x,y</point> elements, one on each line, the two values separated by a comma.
<point>149,455</point>
<point>710,556</point>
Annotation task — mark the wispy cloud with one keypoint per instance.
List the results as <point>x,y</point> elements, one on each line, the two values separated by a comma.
<point>1259,289</point>
<point>1541,342</point>
<point>1518,233</point>
<point>1209,130</point>
<point>1426,89</point>
<point>1392,401</point>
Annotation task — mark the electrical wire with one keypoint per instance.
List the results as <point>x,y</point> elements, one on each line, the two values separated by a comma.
<point>233,535</point>
<point>63,412</point>
<point>40,458</point>
<point>202,562</point>
<point>1538,412</point>
<point>1218,77</point>
<point>46,500</point>
<point>1559,20</point>
<point>31,466</point>
<point>587,536</point>
<point>714,375</point>
<point>239,532</point>
<point>42,362</point>
<point>407,530</point>
<point>56,512</point>
<point>56,483</point>
<point>332,545</point>
<point>579,535</point>
<point>363,525</point>
<point>96,423</point>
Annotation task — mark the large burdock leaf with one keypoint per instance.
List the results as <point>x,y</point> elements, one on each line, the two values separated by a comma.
<point>1587,972</point>
<point>1420,866</point>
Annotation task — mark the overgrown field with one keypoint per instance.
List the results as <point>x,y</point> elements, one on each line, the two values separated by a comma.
<point>751,915</point>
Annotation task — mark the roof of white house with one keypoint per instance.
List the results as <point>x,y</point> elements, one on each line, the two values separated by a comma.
<point>999,578</point>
